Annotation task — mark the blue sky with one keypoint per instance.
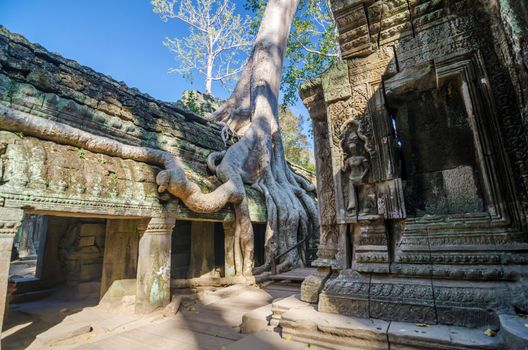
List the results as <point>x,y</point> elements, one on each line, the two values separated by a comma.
<point>121,38</point>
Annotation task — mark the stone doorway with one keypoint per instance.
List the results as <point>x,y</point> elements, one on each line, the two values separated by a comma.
<point>77,260</point>
<point>436,152</point>
<point>259,233</point>
<point>58,252</point>
<point>198,249</point>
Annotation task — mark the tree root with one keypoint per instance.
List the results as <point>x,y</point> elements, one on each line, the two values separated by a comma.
<point>257,158</point>
<point>282,205</point>
<point>173,178</point>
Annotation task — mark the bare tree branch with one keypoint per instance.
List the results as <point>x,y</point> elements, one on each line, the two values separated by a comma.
<point>218,38</point>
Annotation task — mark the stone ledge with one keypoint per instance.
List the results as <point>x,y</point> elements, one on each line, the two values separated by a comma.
<point>281,306</point>
<point>515,331</point>
<point>333,331</point>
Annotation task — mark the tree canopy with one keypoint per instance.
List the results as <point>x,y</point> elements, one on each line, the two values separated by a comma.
<point>218,40</point>
<point>296,147</point>
<point>312,46</point>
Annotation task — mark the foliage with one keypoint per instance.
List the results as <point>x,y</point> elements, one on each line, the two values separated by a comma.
<point>112,175</point>
<point>312,46</point>
<point>218,39</point>
<point>191,103</point>
<point>199,103</point>
<point>296,147</point>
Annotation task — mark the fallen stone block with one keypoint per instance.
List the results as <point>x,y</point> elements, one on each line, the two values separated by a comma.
<point>256,320</point>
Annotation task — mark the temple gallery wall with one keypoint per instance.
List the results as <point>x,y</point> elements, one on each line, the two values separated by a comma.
<point>84,217</point>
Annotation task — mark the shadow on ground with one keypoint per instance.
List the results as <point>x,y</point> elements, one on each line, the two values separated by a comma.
<point>208,318</point>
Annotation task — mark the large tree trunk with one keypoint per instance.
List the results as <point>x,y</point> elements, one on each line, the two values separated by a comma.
<point>252,112</point>
<point>256,159</point>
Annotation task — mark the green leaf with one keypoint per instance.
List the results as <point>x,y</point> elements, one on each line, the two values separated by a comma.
<point>489,332</point>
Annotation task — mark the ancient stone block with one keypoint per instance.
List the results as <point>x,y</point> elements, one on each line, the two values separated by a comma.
<point>202,260</point>
<point>313,285</point>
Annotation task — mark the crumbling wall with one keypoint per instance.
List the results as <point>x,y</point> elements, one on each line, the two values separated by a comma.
<point>47,85</point>
<point>74,250</point>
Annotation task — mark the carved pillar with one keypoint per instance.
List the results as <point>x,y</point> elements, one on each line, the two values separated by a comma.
<point>153,273</point>
<point>229,246</point>
<point>10,221</point>
<point>313,99</point>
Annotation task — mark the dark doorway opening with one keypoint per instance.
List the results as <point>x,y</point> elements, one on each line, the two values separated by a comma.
<point>181,249</point>
<point>198,249</point>
<point>259,234</point>
<point>430,128</point>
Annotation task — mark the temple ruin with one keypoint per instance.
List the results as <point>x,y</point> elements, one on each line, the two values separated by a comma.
<point>421,150</point>
<point>93,217</point>
<point>421,147</point>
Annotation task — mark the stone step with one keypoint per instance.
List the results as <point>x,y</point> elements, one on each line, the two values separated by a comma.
<point>256,320</point>
<point>515,329</point>
<point>297,275</point>
<point>281,306</point>
<point>31,296</point>
<point>301,322</point>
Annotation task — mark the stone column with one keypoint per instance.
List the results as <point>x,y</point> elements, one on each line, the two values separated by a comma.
<point>10,221</point>
<point>313,99</point>
<point>229,246</point>
<point>153,272</point>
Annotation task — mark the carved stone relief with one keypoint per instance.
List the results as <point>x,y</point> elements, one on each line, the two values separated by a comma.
<point>428,155</point>
<point>356,166</point>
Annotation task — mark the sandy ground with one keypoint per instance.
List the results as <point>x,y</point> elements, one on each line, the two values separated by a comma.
<point>208,318</point>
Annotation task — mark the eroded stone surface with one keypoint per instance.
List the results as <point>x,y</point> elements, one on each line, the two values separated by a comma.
<point>415,190</point>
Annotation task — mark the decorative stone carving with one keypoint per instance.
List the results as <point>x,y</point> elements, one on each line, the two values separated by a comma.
<point>356,165</point>
<point>435,209</point>
<point>313,98</point>
<point>10,221</point>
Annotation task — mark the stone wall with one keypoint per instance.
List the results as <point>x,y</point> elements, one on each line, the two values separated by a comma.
<point>422,151</point>
<point>74,250</point>
<point>46,175</point>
